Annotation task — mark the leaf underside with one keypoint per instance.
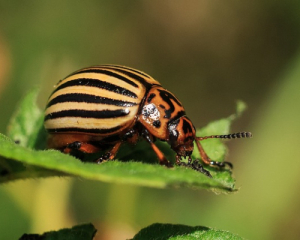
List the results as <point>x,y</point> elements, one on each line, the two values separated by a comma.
<point>160,231</point>
<point>156,231</point>
<point>80,232</point>
<point>22,156</point>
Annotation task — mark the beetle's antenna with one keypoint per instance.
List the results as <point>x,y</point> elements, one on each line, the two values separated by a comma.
<point>203,154</point>
<point>228,136</point>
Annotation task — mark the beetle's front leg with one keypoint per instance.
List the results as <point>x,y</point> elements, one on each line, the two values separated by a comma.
<point>208,161</point>
<point>221,164</point>
<point>195,165</point>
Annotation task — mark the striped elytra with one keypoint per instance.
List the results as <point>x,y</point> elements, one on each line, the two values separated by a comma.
<point>100,107</point>
<point>100,100</point>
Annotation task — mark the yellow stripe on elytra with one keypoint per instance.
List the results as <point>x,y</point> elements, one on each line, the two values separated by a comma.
<point>89,123</point>
<point>105,78</point>
<point>98,92</point>
<point>85,106</point>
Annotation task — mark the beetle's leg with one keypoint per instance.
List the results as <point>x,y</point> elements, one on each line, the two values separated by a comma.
<point>132,136</point>
<point>82,147</point>
<point>208,161</point>
<point>178,160</point>
<point>196,165</point>
<point>161,157</point>
<point>110,155</point>
<point>79,149</point>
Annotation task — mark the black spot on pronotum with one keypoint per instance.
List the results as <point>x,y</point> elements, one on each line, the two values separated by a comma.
<point>179,114</point>
<point>152,95</point>
<point>156,123</point>
<point>166,97</point>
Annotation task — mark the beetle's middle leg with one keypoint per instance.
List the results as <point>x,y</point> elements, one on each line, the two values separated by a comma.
<point>110,155</point>
<point>131,136</point>
<point>161,157</point>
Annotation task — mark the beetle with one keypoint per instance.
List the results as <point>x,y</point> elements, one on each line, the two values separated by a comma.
<point>100,107</point>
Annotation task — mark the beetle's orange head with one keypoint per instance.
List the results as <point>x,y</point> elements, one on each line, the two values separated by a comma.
<point>181,136</point>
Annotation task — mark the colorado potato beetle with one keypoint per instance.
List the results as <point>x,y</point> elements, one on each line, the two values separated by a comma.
<point>99,108</point>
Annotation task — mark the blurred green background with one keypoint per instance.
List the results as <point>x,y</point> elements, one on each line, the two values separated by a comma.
<point>209,54</point>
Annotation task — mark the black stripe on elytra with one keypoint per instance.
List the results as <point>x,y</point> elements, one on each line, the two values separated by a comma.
<point>83,130</point>
<point>127,68</point>
<point>134,76</point>
<point>106,72</point>
<point>98,84</point>
<point>87,98</point>
<point>88,114</point>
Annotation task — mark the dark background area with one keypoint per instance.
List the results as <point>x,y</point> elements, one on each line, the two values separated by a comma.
<point>209,54</point>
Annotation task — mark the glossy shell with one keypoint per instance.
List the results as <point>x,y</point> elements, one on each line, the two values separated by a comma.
<point>100,100</point>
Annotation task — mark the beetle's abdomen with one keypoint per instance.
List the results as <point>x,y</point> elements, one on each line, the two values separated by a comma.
<point>101,100</point>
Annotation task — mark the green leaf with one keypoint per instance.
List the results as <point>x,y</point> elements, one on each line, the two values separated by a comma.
<point>151,175</point>
<point>160,231</point>
<point>134,165</point>
<point>26,124</point>
<point>215,148</point>
<point>26,129</point>
<point>80,232</point>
